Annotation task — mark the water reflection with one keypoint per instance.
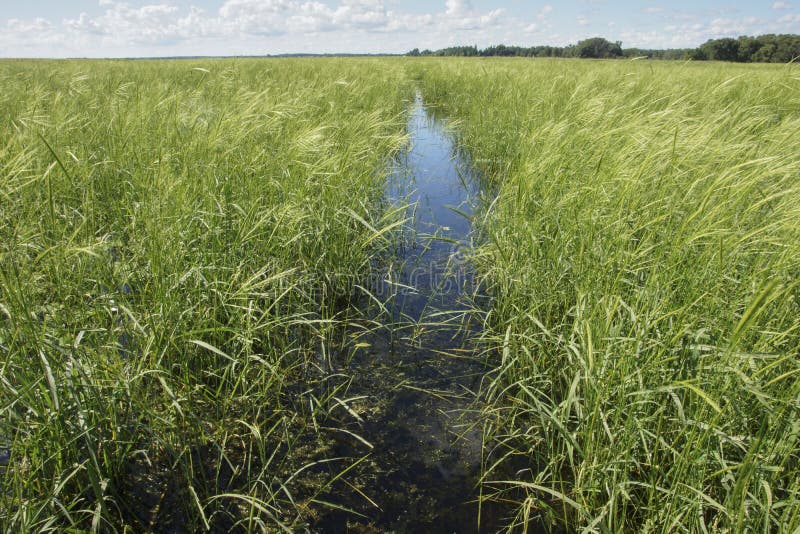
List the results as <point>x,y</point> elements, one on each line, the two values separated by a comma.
<point>442,190</point>
<point>413,383</point>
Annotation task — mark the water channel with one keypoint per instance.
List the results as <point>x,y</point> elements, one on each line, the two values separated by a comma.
<point>412,395</point>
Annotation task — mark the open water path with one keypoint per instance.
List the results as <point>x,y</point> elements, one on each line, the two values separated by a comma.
<point>412,416</point>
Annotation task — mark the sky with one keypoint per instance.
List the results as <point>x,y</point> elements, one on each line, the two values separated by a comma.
<point>136,28</point>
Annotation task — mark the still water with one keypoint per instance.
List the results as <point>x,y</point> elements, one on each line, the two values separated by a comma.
<point>412,390</point>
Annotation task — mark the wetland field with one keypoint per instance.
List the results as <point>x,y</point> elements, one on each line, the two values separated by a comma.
<point>399,295</point>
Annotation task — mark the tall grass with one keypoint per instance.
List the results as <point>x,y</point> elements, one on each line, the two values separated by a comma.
<point>643,256</point>
<point>177,240</point>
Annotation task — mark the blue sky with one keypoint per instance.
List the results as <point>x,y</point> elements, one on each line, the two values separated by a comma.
<point>111,28</point>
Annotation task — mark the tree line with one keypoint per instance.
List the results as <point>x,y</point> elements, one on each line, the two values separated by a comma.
<point>768,48</point>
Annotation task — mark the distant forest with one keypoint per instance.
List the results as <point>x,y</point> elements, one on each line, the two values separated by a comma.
<point>768,48</point>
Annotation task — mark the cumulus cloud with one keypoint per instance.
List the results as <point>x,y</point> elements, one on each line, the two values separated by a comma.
<point>457,8</point>
<point>542,23</point>
<point>29,35</point>
<point>37,25</point>
<point>149,24</point>
<point>162,24</point>
<point>721,27</point>
<point>269,17</point>
<point>683,33</point>
<point>254,17</point>
<point>168,27</point>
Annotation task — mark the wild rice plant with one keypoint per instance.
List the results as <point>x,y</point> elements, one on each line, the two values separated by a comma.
<point>643,255</point>
<point>177,241</point>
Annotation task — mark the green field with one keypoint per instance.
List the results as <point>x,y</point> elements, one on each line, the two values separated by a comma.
<point>179,239</point>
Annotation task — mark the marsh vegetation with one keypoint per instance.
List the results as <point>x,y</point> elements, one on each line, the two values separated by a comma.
<point>175,240</point>
<point>643,254</point>
<point>236,296</point>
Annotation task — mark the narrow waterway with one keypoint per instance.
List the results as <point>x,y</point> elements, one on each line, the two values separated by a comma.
<point>412,419</point>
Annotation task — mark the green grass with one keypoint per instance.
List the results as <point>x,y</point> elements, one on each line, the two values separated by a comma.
<point>181,242</point>
<point>177,241</point>
<point>643,256</point>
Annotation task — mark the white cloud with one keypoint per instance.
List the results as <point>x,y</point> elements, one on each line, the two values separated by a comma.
<point>682,34</point>
<point>29,35</point>
<point>457,8</point>
<point>38,25</point>
<point>272,17</point>
<point>460,15</point>
<point>725,27</point>
<point>476,21</point>
<point>250,15</point>
<point>248,26</point>
<point>538,27</point>
<point>85,24</point>
<point>167,27</point>
<point>267,17</point>
<point>152,24</point>
<point>361,14</point>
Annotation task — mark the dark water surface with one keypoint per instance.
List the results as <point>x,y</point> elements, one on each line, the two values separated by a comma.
<point>411,413</point>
